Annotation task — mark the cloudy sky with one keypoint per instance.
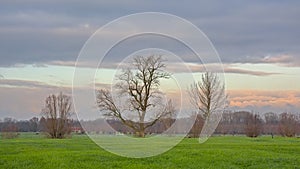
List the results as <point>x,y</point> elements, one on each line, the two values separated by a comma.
<point>258,43</point>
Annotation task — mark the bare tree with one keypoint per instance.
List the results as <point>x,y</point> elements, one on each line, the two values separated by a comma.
<point>9,129</point>
<point>253,126</point>
<point>208,95</point>
<point>57,115</point>
<point>139,88</point>
<point>33,124</point>
<point>287,124</point>
<point>226,123</point>
<point>271,124</point>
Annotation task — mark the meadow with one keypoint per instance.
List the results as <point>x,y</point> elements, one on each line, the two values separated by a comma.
<point>35,151</point>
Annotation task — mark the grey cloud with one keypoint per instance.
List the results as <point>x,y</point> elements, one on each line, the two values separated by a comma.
<point>38,46</point>
<point>87,64</point>
<point>39,65</point>
<point>238,29</point>
<point>24,83</point>
<point>226,68</point>
<point>286,60</point>
<point>255,30</point>
<point>67,63</point>
<point>249,72</point>
<point>175,67</point>
<point>102,86</point>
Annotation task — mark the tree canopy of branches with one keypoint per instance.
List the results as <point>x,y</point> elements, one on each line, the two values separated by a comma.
<point>140,86</point>
<point>57,115</point>
<point>208,95</point>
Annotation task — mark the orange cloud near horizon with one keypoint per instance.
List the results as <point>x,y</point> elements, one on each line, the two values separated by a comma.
<point>27,102</point>
<point>282,100</point>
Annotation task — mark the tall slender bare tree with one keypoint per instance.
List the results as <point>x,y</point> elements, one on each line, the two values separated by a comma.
<point>208,95</point>
<point>57,115</point>
<point>138,85</point>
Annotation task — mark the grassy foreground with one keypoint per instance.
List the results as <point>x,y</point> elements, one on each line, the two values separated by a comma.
<point>34,151</point>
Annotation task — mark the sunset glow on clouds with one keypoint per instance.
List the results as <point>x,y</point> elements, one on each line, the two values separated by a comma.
<point>259,49</point>
<point>264,101</point>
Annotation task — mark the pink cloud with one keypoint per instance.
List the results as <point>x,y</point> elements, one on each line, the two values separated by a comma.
<point>260,100</point>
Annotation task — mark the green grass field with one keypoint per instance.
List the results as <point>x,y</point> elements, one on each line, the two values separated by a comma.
<point>34,151</point>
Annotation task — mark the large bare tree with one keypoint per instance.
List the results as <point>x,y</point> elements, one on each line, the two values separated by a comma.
<point>138,86</point>
<point>57,115</point>
<point>208,95</point>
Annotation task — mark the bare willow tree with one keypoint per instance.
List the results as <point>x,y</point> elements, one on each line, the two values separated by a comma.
<point>57,115</point>
<point>208,95</point>
<point>138,86</point>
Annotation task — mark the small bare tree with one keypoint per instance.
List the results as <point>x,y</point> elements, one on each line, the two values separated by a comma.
<point>271,124</point>
<point>9,129</point>
<point>208,95</point>
<point>287,124</point>
<point>57,115</point>
<point>139,89</point>
<point>170,117</point>
<point>253,126</point>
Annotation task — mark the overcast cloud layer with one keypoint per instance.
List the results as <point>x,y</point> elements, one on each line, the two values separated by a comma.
<point>41,32</point>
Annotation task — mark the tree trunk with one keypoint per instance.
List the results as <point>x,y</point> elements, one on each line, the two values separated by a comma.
<point>141,133</point>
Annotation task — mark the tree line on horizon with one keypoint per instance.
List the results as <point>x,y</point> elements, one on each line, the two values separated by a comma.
<point>232,123</point>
